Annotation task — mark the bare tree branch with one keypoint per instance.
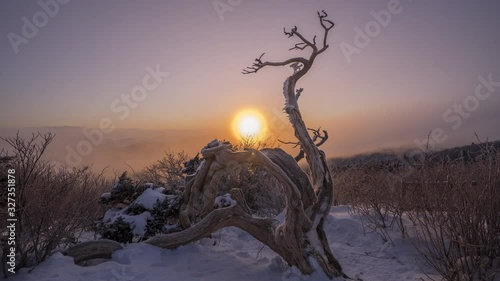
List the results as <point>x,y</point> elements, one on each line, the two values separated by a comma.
<point>295,143</point>
<point>258,64</point>
<point>299,46</point>
<point>327,25</point>
<point>316,135</point>
<point>305,42</point>
<point>298,92</point>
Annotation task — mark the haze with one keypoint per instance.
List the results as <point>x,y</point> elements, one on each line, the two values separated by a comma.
<point>419,72</point>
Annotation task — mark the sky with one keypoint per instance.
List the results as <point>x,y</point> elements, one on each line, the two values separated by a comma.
<point>385,81</point>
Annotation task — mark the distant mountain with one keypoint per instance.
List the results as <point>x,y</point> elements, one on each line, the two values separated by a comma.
<point>393,160</point>
<point>468,152</point>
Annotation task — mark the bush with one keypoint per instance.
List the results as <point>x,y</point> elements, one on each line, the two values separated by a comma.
<point>191,165</point>
<point>123,192</point>
<point>130,200</point>
<point>142,211</point>
<point>53,206</point>
<point>457,217</point>
<point>164,216</point>
<point>119,230</point>
<point>453,204</point>
<point>168,171</point>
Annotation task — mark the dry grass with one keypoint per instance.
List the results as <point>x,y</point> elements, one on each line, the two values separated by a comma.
<point>454,206</point>
<point>256,143</point>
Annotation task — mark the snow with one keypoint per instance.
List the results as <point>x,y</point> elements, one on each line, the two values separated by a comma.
<point>111,213</point>
<point>106,195</point>
<point>224,201</point>
<point>150,196</point>
<point>138,222</point>
<point>232,254</point>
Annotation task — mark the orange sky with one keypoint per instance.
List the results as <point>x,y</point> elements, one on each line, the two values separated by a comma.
<point>77,68</point>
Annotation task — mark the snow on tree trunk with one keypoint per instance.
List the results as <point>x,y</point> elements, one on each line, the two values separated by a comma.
<point>300,236</point>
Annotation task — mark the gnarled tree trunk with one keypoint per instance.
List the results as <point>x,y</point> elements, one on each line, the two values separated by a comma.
<point>300,236</point>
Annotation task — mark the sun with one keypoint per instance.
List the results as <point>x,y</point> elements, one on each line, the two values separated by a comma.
<point>249,124</point>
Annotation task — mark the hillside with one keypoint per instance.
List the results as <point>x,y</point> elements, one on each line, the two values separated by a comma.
<point>393,160</point>
<point>232,254</point>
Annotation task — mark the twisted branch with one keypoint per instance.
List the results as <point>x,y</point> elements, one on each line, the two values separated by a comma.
<point>327,26</point>
<point>258,64</point>
<point>316,135</point>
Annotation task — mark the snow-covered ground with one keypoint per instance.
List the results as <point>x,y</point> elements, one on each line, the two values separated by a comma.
<point>233,254</point>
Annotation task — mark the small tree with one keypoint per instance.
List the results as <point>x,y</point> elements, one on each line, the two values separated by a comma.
<point>300,236</point>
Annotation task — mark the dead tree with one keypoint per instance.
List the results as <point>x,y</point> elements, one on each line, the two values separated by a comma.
<point>300,236</point>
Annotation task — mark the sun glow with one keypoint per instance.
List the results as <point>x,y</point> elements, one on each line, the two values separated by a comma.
<point>249,124</point>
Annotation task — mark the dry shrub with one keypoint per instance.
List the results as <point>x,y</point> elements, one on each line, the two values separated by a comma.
<point>457,215</point>
<point>371,196</point>
<point>256,143</point>
<point>453,204</point>
<point>168,171</point>
<point>53,206</point>
<point>58,206</point>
